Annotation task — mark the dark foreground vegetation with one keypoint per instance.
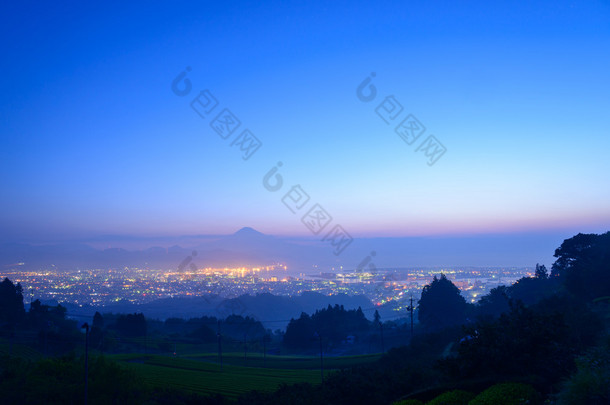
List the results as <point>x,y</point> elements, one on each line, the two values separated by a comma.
<point>544,339</point>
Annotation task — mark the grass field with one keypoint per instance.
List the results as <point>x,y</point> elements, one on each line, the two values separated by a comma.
<point>288,362</point>
<point>205,377</point>
<point>19,350</point>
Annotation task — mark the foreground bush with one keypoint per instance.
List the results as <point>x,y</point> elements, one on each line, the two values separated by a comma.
<point>507,394</point>
<point>455,397</point>
<point>591,383</point>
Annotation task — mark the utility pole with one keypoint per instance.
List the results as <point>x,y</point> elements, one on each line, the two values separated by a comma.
<point>46,335</point>
<point>86,327</point>
<point>321,361</point>
<point>245,351</point>
<point>219,346</point>
<point>321,357</point>
<point>411,310</point>
<point>382,343</point>
<point>265,351</point>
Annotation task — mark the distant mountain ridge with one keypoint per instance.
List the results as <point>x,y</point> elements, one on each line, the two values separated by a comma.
<point>248,247</point>
<point>242,248</point>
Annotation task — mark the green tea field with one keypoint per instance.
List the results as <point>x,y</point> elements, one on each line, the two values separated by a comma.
<point>201,375</point>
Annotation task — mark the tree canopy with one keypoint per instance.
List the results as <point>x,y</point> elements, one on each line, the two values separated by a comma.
<point>332,323</point>
<point>583,264</point>
<point>441,304</point>
<point>11,303</point>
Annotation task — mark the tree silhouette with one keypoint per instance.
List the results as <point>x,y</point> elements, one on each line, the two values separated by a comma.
<point>131,325</point>
<point>98,320</point>
<point>530,290</point>
<point>377,318</point>
<point>441,304</point>
<point>495,303</point>
<point>583,264</point>
<point>333,323</point>
<point>541,272</point>
<point>539,341</point>
<point>572,250</point>
<point>11,303</point>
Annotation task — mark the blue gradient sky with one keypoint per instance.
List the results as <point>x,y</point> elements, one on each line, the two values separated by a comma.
<point>95,142</point>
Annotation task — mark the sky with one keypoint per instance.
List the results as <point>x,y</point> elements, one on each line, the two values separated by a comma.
<point>100,137</point>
